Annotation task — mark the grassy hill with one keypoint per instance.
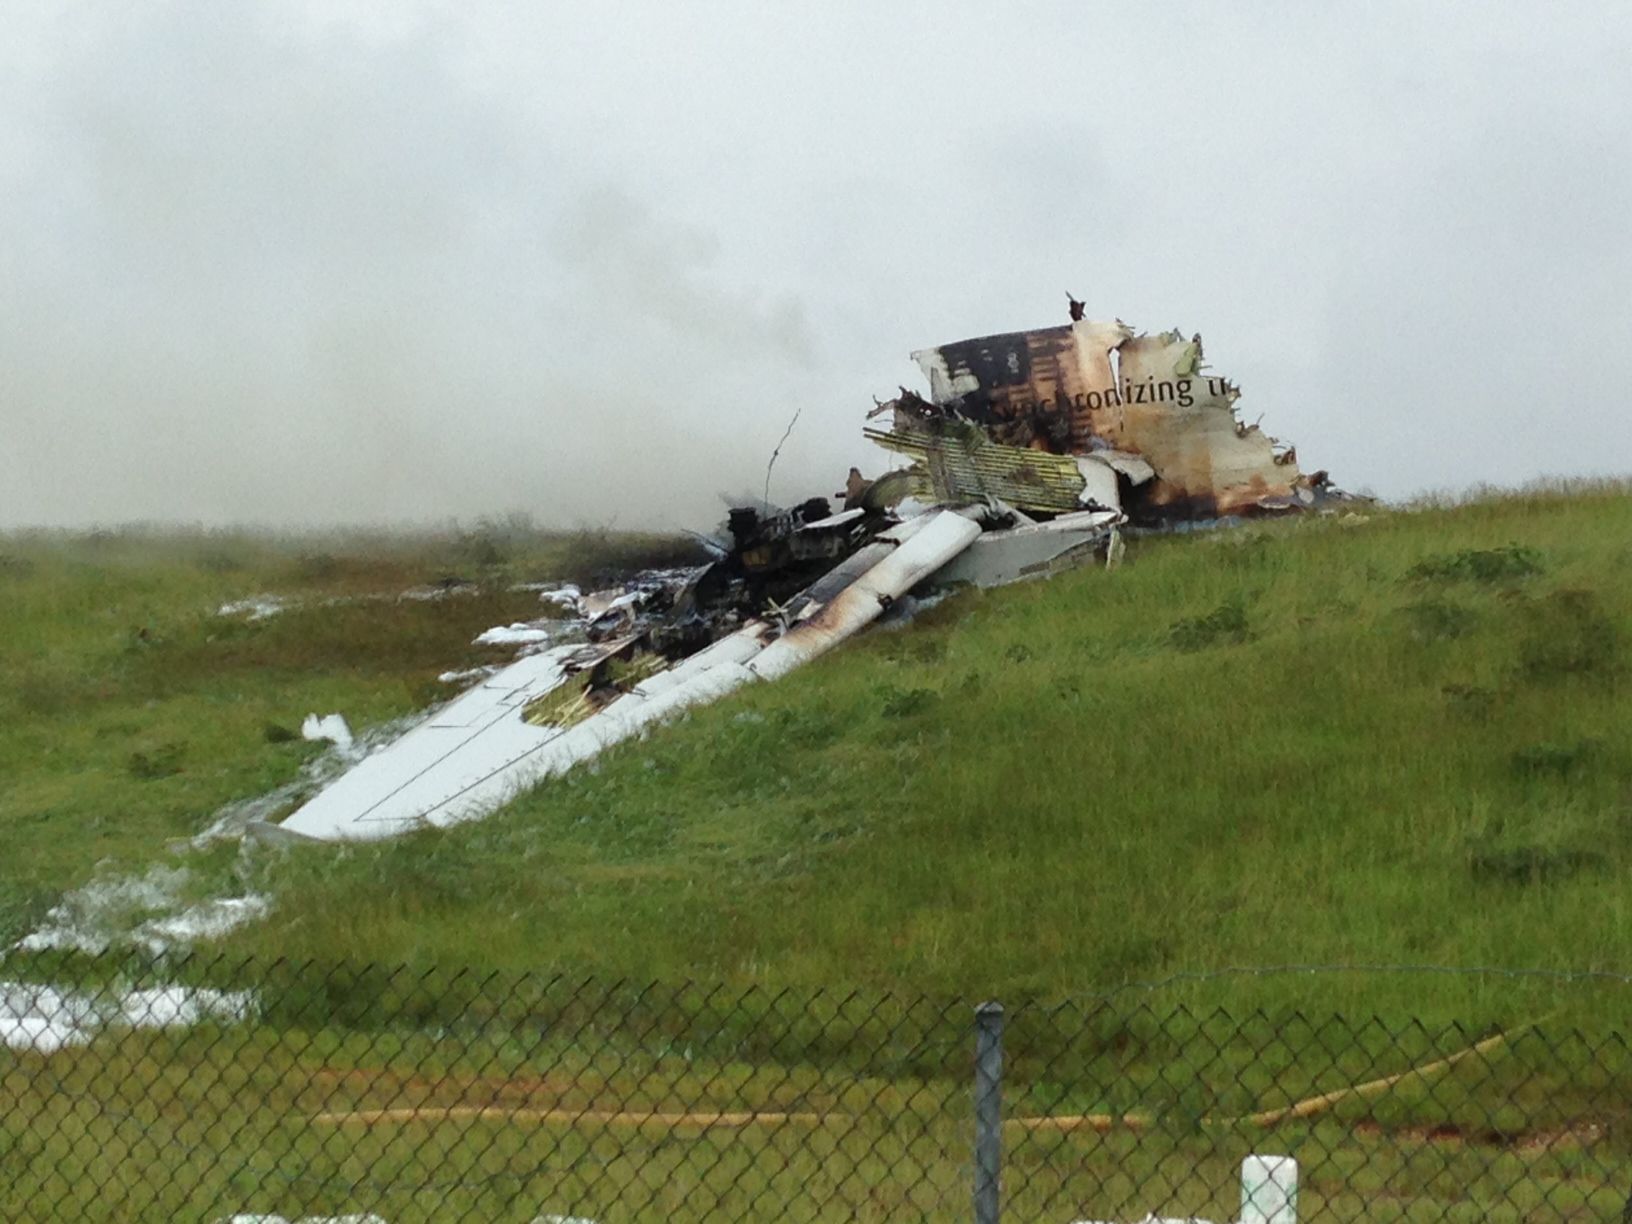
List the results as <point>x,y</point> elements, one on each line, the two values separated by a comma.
<point>1399,737</point>
<point>1393,738</point>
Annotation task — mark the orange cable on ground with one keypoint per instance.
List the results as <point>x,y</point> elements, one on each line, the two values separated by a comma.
<point>1308,1107</point>
<point>610,1117</point>
<point>1319,1104</point>
<point>1099,1123</point>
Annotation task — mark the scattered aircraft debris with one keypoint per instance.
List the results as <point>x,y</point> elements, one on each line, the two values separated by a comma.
<point>1030,452</point>
<point>41,1019</point>
<point>331,727</point>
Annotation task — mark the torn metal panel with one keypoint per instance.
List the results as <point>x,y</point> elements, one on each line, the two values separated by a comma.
<point>768,540</point>
<point>625,717</point>
<point>1031,387</point>
<point>1208,463</point>
<point>833,521</point>
<point>1036,550</point>
<point>1037,445</point>
<point>597,675</point>
<point>1100,484</point>
<point>456,768</point>
<point>838,578</point>
<point>957,463</point>
<point>562,749</point>
<point>883,494</point>
<point>1092,387</point>
<point>1135,469</point>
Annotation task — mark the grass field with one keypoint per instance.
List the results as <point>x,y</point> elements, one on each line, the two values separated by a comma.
<point>1394,738</point>
<point>132,711</point>
<point>425,1096</point>
<point>1401,738</point>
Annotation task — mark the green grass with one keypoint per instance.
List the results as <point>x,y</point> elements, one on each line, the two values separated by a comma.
<point>1397,739</point>
<point>132,712</point>
<point>871,1093</point>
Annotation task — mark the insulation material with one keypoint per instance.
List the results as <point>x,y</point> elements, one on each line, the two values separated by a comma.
<point>331,727</point>
<point>958,464</point>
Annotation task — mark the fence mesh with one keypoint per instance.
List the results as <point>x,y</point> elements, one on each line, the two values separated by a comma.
<point>208,1089</point>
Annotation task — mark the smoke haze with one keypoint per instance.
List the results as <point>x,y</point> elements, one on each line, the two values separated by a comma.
<point>375,263</point>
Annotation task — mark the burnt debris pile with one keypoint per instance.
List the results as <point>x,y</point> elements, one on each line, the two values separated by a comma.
<point>1029,455</point>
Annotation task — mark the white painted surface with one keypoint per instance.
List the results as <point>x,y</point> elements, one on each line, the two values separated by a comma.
<point>477,754</point>
<point>619,721</point>
<point>330,727</point>
<point>736,647</point>
<point>834,520</point>
<point>1269,1190</point>
<point>519,634</point>
<point>1000,557</point>
<point>1099,482</point>
<point>943,385</point>
<point>459,745</point>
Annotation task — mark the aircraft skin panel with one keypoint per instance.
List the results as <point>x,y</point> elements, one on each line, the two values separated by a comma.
<point>466,740</point>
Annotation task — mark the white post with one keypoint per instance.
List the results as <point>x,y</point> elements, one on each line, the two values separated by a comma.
<point>1269,1190</point>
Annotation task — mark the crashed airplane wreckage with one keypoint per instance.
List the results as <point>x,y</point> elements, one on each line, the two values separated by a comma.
<point>1029,453</point>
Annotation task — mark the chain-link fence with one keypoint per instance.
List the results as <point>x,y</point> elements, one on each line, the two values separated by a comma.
<point>207,1089</point>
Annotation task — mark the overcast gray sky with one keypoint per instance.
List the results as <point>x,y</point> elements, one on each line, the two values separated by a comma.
<point>379,262</point>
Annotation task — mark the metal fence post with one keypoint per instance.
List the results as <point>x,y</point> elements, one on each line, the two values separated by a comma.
<point>988,1111</point>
